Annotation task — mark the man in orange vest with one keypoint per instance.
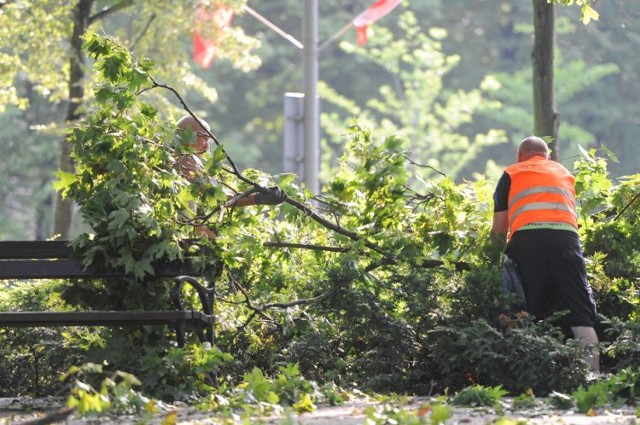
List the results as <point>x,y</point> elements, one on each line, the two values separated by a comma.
<point>534,203</point>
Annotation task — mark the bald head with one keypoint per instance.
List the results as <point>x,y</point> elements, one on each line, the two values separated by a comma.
<point>189,122</point>
<point>532,146</point>
<point>201,143</point>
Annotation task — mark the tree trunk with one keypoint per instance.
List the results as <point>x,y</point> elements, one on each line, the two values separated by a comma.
<point>547,121</point>
<point>81,15</point>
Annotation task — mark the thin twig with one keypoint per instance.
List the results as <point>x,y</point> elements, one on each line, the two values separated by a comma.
<point>305,246</point>
<point>248,300</point>
<point>235,171</point>
<point>423,166</point>
<point>329,225</point>
<point>110,10</point>
<point>144,31</point>
<point>627,206</point>
<point>426,264</point>
<point>293,303</point>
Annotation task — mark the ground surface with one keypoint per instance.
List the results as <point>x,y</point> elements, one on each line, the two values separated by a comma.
<point>37,411</point>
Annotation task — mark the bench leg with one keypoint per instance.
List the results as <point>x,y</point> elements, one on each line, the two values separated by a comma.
<point>199,331</point>
<point>180,334</point>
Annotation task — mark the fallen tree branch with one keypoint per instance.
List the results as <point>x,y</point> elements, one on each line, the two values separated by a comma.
<point>57,416</point>
<point>304,208</point>
<point>331,226</point>
<point>299,205</point>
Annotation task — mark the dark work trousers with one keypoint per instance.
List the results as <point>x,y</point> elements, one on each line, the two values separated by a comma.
<point>553,274</point>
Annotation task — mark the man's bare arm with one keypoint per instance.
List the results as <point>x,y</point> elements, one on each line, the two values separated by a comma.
<point>500,224</point>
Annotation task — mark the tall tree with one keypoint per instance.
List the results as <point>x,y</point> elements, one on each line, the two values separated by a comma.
<point>42,44</point>
<point>81,21</point>
<point>546,119</point>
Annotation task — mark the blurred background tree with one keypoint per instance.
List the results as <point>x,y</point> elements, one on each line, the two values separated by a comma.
<point>476,59</point>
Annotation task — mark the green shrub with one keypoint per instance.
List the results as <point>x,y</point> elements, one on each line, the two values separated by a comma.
<point>32,358</point>
<point>478,396</point>
<point>478,353</point>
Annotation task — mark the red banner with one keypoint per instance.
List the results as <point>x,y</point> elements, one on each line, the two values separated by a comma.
<point>376,11</point>
<point>211,23</point>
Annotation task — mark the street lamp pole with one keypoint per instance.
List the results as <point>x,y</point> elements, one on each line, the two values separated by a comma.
<point>311,103</point>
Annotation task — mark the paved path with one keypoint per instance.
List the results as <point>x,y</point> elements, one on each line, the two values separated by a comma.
<point>25,411</point>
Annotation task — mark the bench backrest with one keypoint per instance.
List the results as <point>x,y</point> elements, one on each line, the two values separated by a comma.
<point>54,260</point>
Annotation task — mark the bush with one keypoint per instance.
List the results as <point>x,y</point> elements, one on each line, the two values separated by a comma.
<point>32,358</point>
<point>478,353</point>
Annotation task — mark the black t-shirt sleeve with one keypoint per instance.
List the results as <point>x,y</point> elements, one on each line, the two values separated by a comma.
<point>501,195</point>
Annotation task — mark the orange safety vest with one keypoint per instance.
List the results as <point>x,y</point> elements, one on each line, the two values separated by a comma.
<point>542,191</point>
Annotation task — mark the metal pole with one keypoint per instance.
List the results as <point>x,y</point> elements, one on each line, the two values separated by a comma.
<point>293,161</point>
<point>311,108</point>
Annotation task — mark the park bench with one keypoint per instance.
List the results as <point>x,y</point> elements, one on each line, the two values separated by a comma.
<point>54,260</point>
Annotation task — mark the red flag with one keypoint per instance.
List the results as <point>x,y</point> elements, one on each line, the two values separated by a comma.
<point>376,11</point>
<point>205,50</point>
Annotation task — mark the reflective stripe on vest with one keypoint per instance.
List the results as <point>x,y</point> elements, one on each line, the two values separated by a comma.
<point>541,191</point>
<point>542,206</point>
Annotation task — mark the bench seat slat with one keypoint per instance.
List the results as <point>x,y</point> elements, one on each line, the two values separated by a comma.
<point>66,268</point>
<point>35,249</point>
<point>33,260</point>
<point>101,318</point>
<point>44,249</point>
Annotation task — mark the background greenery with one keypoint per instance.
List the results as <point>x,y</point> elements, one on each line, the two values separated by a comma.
<point>452,79</point>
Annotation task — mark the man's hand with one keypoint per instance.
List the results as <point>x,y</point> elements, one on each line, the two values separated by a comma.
<point>271,196</point>
<point>493,248</point>
<point>202,230</point>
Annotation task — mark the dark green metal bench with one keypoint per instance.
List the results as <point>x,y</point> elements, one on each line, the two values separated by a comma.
<point>54,260</point>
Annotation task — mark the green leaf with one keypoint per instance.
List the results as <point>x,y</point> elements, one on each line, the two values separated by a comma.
<point>111,68</point>
<point>143,268</point>
<point>118,218</point>
<point>588,14</point>
<point>440,414</point>
<point>64,182</point>
<point>304,405</point>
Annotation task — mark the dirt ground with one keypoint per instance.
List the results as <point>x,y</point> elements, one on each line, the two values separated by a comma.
<point>43,411</point>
